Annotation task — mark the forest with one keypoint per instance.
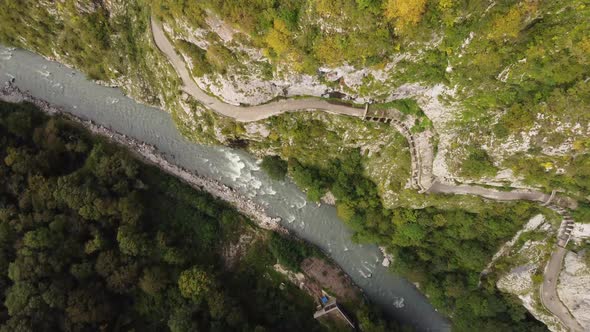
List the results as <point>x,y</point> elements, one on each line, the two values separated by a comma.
<point>92,239</point>
<point>543,46</point>
<point>443,250</point>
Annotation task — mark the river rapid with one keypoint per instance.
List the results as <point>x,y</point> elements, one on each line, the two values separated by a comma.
<point>72,91</point>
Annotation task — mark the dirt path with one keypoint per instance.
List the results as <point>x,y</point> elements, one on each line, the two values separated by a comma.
<point>259,112</point>
<point>242,114</point>
<point>515,195</point>
<point>421,173</point>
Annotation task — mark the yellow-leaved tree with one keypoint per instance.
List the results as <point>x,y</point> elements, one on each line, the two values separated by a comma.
<point>405,13</point>
<point>507,26</point>
<point>279,37</point>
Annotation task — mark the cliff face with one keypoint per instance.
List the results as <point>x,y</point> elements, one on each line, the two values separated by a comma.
<point>520,266</point>
<point>521,263</point>
<point>363,53</point>
<point>573,287</point>
<point>499,90</point>
<point>472,76</point>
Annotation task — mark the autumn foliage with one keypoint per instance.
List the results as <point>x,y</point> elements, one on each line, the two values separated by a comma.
<point>405,13</point>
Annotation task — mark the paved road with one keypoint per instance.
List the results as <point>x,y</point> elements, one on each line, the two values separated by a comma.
<point>515,195</point>
<point>242,114</point>
<point>549,296</point>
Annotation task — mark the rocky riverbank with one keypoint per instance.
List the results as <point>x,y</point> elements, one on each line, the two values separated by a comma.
<point>150,154</point>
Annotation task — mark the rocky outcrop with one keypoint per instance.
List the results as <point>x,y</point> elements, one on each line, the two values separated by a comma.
<point>329,199</point>
<point>250,82</point>
<point>573,287</point>
<point>531,225</point>
<point>387,257</point>
<point>520,281</point>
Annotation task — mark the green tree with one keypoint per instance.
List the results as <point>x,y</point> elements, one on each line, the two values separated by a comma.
<point>275,167</point>
<point>17,297</point>
<point>195,283</point>
<point>153,280</point>
<point>132,242</point>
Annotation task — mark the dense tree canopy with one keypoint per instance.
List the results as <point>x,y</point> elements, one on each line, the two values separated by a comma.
<point>443,250</point>
<point>92,239</point>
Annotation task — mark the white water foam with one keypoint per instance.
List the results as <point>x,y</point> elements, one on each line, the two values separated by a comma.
<point>301,204</point>
<point>143,123</point>
<point>240,172</point>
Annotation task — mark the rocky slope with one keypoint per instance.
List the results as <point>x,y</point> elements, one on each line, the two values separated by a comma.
<point>253,58</point>
<point>573,287</point>
<point>501,88</point>
<point>521,262</point>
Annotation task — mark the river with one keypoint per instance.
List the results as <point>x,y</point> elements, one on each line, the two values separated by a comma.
<point>319,225</point>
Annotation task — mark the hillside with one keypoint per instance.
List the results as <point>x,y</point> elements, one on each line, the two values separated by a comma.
<point>92,238</point>
<point>494,93</point>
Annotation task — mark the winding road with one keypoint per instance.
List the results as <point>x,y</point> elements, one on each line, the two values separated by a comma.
<point>259,112</point>
<point>548,290</point>
<point>464,189</point>
<point>242,114</point>
<point>427,184</point>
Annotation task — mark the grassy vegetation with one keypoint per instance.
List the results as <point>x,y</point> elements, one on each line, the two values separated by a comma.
<point>407,107</point>
<point>289,252</point>
<point>515,66</point>
<point>197,57</point>
<point>478,164</point>
<point>582,213</point>
<point>575,179</point>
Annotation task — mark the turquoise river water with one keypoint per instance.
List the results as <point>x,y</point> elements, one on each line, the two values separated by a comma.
<point>319,225</point>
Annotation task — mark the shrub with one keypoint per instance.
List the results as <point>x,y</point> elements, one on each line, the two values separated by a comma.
<point>198,58</point>
<point>405,12</point>
<point>220,57</point>
<point>478,164</point>
<point>289,252</point>
<point>275,167</point>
